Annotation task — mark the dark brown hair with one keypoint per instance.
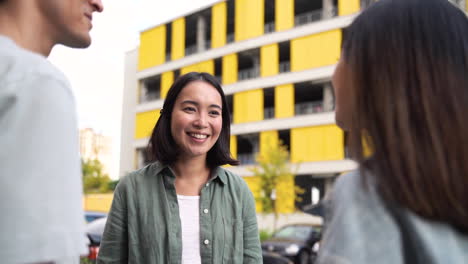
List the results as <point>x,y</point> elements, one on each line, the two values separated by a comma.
<point>409,64</point>
<point>162,146</point>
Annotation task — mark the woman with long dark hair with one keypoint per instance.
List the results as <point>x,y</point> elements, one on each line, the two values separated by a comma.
<point>184,208</point>
<point>401,89</point>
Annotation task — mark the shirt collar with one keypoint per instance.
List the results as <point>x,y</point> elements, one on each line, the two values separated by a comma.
<point>217,174</point>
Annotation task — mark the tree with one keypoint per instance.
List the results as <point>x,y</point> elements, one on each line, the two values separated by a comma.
<point>273,166</point>
<point>94,180</point>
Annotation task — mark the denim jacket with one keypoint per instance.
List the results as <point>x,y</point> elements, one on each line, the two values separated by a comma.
<point>360,229</point>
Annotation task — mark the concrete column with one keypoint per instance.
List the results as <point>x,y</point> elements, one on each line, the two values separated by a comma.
<point>201,32</point>
<point>328,100</point>
<point>327,11</point>
<point>329,181</point>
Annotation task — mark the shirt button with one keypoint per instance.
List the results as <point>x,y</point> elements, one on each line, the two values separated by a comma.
<point>205,211</point>
<point>206,242</point>
<point>207,184</point>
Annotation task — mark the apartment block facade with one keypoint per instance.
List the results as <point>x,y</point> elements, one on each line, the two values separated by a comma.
<point>275,59</point>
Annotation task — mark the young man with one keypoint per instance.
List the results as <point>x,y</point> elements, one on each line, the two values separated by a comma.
<point>40,175</point>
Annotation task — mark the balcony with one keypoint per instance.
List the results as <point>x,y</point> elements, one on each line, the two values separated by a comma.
<point>246,158</point>
<point>307,108</point>
<point>313,16</point>
<point>248,74</point>
<point>269,27</point>
<point>269,112</point>
<point>284,66</point>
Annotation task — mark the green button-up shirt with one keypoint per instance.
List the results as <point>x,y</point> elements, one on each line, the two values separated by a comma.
<point>144,226</point>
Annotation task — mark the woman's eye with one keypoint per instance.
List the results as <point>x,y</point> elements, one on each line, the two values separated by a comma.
<point>189,109</point>
<point>214,113</point>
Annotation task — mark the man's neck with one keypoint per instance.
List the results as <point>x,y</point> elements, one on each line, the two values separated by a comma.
<point>25,27</point>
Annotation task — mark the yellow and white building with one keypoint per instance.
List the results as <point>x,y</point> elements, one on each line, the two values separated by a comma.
<point>275,59</point>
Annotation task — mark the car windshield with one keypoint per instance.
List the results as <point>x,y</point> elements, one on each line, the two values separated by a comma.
<point>294,232</point>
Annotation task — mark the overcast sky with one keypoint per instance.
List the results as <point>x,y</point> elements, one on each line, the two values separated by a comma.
<point>96,73</point>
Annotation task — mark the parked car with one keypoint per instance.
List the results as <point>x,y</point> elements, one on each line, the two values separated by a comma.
<point>91,216</point>
<point>295,242</point>
<point>273,258</point>
<point>94,231</point>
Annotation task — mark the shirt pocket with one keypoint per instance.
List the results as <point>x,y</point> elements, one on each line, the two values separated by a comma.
<point>233,252</point>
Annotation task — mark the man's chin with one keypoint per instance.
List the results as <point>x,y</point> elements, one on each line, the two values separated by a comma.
<point>78,42</point>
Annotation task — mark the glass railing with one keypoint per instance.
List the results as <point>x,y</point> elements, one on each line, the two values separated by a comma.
<point>246,158</point>
<point>248,74</point>
<point>190,50</point>
<point>284,66</point>
<point>269,113</point>
<point>308,108</point>
<point>269,27</point>
<point>313,16</point>
<point>149,96</point>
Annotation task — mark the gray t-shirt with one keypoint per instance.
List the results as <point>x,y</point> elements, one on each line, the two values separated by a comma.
<point>361,230</point>
<point>41,217</point>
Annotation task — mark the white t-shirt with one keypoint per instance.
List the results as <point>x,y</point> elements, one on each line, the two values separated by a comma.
<point>41,214</point>
<point>189,219</point>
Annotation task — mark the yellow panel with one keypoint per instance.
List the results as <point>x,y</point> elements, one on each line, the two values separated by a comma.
<point>249,19</point>
<point>320,143</point>
<point>317,50</point>
<point>152,51</point>
<point>205,66</point>
<point>229,68</point>
<point>285,195</point>
<point>178,39</point>
<point>248,106</point>
<point>218,25</point>
<point>284,101</point>
<point>284,14</point>
<point>239,107</point>
<point>145,122</point>
<point>334,143</point>
<point>269,60</point>
<point>233,147</point>
<point>167,79</point>
<point>97,202</point>
<point>254,105</point>
<point>268,141</point>
<point>254,185</point>
<point>347,7</point>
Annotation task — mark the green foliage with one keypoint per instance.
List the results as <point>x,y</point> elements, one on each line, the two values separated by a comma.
<point>94,180</point>
<point>265,234</point>
<point>112,185</point>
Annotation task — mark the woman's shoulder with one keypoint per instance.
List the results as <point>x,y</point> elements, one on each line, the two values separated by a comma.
<point>232,179</point>
<point>139,176</point>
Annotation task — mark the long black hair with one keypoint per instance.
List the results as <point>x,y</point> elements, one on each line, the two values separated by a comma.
<point>409,66</point>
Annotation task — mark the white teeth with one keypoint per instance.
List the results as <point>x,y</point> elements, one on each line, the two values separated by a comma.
<point>199,136</point>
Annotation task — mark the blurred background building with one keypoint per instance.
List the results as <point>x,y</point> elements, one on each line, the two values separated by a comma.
<point>94,145</point>
<point>275,59</point>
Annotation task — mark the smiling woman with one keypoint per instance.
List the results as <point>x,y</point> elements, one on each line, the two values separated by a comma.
<point>154,209</point>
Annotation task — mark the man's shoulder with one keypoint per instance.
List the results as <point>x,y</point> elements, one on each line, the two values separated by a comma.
<point>20,65</point>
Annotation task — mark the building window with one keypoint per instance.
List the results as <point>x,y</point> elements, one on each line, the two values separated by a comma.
<point>247,148</point>
<point>150,89</point>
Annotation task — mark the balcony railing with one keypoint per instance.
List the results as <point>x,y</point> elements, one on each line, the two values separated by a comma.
<point>149,96</point>
<point>248,74</point>
<point>230,38</point>
<point>285,66</point>
<point>190,50</point>
<point>269,27</point>
<point>269,112</point>
<point>246,158</point>
<point>313,16</point>
<point>308,108</point>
